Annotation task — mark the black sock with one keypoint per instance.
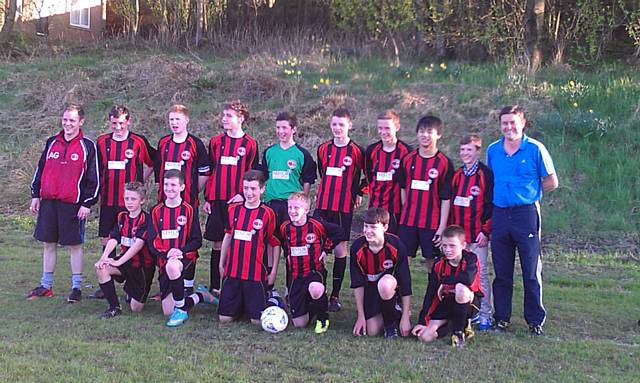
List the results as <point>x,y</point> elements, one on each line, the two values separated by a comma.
<point>109,290</point>
<point>460,313</point>
<point>191,301</point>
<point>177,289</point>
<point>339,265</point>
<point>318,308</point>
<point>389,312</point>
<point>214,270</point>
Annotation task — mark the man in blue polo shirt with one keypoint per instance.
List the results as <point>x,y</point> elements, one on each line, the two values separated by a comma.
<point>523,170</point>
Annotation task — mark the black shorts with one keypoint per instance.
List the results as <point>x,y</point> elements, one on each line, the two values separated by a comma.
<point>394,218</point>
<point>444,310</point>
<point>214,227</point>
<point>165,282</point>
<point>108,219</point>
<point>137,280</point>
<point>413,236</point>
<point>58,223</point>
<point>372,302</point>
<point>238,297</point>
<point>299,292</point>
<point>341,219</point>
<point>281,208</point>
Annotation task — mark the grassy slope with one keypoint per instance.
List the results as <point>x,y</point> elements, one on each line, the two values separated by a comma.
<point>591,336</point>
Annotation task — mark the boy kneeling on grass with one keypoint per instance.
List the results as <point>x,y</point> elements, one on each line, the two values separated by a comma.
<point>174,238</point>
<point>306,241</point>
<point>380,278</point>
<point>135,265</point>
<point>453,292</point>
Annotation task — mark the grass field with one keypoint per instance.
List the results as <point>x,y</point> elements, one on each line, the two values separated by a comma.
<point>591,334</point>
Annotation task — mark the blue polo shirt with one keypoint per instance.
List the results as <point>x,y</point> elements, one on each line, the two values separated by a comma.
<point>518,178</point>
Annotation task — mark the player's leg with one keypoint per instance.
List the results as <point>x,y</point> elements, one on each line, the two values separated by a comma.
<point>409,236</point>
<point>319,303</point>
<point>428,248</point>
<point>230,306</point>
<point>431,332</point>
<point>174,268</point>
<point>108,288</point>
<point>340,262</point>
<point>503,253</point>
<point>214,232</point>
<point>46,231</point>
<point>254,296</point>
<point>138,285</point>
<point>387,286</point>
<point>76,259</point>
<point>486,305</point>
<point>298,302</point>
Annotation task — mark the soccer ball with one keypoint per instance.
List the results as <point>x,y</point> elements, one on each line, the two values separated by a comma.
<point>274,319</point>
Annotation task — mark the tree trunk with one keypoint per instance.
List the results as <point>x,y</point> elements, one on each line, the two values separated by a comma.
<point>534,33</point>
<point>136,17</point>
<point>199,21</point>
<point>9,20</point>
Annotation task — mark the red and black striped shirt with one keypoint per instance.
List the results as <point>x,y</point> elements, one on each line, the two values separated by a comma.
<point>467,273</point>
<point>190,157</point>
<point>121,162</point>
<point>304,244</point>
<point>250,231</point>
<point>382,171</point>
<point>367,267</point>
<point>230,158</point>
<point>127,231</point>
<point>426,182</point>
<point>174,228</point>
<point>340,169</point>
<point>472,198</point>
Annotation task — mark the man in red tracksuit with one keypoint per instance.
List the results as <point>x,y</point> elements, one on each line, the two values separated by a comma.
<point>64,187</point>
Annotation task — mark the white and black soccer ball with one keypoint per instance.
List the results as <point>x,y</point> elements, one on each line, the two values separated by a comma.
<point>274,319</point>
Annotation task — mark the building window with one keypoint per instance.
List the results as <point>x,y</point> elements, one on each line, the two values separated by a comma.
<point>79,17</point>
<point>42,26</point>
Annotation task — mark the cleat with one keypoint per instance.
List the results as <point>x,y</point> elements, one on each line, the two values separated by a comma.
<point>485,324</point>
<point>98,294</point>
<point>38,292</point>
<point>535,330</point>
<point>321,326</point>
<point>468,332</point>
<point>74,296</point>
<point>156,297</point>
<point>500,326</point>
<point>476,318</point>
<point>391,332</point>
<point>334,304</point>
<point>207,296</point>
<point>457,339</point>
<point>111,312</point>
<point>177,318</point>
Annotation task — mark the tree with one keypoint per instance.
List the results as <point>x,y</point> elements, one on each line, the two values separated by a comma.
<point>534,33</point>
<point>9,20</point>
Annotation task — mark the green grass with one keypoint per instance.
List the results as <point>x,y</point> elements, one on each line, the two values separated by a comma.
<point>591,333</point>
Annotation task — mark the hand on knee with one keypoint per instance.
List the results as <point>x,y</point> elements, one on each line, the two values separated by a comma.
<point>316,289</point>
<point>387,287</point>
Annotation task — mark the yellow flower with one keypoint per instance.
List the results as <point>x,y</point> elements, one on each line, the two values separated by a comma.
<point>575,104</point>
<point>315,86</point>
<point>327,82</point>
<point>572,83</point>
<point>590,110</point>
<point>321,80</point>
<point>443,66</point>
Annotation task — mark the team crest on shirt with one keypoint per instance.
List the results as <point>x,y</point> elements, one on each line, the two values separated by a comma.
<point>292,164</point>
<point>186,155</point>
<point>181,220</point>
<point>242,151</point>
<point>257,224</point>
<point>347,161</point>
<point>310,238</point>
<point>395,163</point>
<point>475,190</point>
<point>433,173</point>
<point>387,264</point>
<point>129,153</point>
<point>74,157</point>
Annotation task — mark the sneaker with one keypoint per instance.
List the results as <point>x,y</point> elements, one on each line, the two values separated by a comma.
<point>207,296</point>
<point>321,326</point>
<point>457,339</point>
<point>177,318</point>
<point>391,332</point>
<point>334,304</point>
<point>476,318</point>
<point>111,312</point>
<point>156,297</point>
<point>40,291</point>
<point>535,330</point>
<point>500,326</point>
<point>485,324</point>
<point>98,294</point>
<point>74,296</point>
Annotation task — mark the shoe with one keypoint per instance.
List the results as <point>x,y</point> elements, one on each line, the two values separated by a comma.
<point>208,297</point>
<point>535,330</point>
<point>98,294</point>
<point>177,318</point>
<point>74,296</point>
<point>391,332</point>
<point>40,291</point>
<point>485,324</point>
<point>321,326</point>
<point>457,339</point>
<point>500,326</point>
<point>156,297</point>
<point>476,318</point>
<point>111,312</point>
<point>334,304</point>
<point>468,331</point>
